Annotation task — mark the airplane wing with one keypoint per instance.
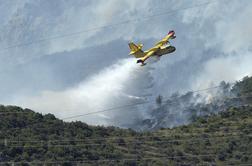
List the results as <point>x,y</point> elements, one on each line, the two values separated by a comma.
<point>165,40</point>
<point>162,42</point>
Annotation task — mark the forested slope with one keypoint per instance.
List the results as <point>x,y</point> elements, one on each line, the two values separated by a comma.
<point>27,137</point>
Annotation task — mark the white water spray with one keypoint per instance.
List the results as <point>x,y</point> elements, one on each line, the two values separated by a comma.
<point>106,89</point>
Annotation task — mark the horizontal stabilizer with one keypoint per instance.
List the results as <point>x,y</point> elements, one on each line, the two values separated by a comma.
<point>136,50</point>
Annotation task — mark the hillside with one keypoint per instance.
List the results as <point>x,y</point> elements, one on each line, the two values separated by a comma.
<point>33,138</point>
<point>225,138</point>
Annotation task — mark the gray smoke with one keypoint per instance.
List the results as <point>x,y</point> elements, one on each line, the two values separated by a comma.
<point>183,109</point>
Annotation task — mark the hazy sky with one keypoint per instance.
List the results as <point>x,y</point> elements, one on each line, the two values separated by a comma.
<point>55,58</point>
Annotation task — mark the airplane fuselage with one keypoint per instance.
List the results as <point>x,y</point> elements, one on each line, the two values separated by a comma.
<point>165,50</point>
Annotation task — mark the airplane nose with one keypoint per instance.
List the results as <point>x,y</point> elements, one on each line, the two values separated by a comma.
<point>171,32</point>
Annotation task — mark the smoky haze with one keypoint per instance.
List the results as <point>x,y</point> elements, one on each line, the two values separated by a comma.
<point>92,71</point>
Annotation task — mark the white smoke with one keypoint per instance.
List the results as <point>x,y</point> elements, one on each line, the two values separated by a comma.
<point>230,68</point>
<point>232,38</point>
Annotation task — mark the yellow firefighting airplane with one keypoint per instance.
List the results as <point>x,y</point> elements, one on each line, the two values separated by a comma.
<point>160,48</point>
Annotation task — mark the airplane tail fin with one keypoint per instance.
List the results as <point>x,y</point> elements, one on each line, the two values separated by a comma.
<point>136,50</point>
